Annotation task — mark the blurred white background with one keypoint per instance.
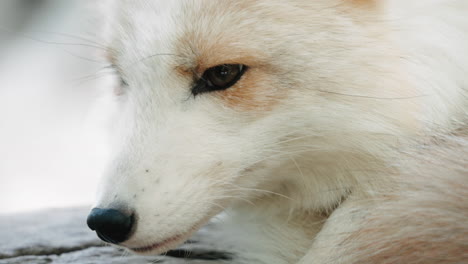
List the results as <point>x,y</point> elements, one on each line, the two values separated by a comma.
<point>52,147</point>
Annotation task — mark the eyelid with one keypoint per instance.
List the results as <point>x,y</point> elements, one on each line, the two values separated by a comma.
<point>113,67</point>
<point>117,71</point>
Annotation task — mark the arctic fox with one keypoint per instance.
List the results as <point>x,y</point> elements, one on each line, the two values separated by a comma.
<point>327,131</point>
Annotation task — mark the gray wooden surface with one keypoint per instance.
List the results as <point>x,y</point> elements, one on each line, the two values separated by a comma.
<point>61,236</point>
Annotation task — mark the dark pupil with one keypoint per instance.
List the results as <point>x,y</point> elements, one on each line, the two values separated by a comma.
<point>223,75</point>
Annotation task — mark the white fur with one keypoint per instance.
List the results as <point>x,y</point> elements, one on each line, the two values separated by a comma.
<point>355,84</point>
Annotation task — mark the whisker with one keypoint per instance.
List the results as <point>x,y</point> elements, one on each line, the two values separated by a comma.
<point>77,37</point>
<point>373,97</point>
<point>82,57</point>
<point>25,36</point>
<point>90,78</point>
<point>262,191</point>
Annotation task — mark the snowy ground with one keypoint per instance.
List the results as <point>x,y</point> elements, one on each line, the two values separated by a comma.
<point>61,236</point>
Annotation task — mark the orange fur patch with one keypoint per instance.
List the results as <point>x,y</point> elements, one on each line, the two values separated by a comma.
<point>363,3</point>
<point>253,92</point>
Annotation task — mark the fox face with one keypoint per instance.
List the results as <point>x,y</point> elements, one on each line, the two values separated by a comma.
<point>222,102</point>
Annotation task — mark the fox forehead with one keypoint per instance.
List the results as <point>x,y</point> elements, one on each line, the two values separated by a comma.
<point>204,33</point>
<point>177,40</point>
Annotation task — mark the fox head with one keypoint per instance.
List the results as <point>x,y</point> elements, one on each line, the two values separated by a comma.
<point>220,102</point>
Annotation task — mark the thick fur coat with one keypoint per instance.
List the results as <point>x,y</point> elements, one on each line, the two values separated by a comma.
<point>344,141</point>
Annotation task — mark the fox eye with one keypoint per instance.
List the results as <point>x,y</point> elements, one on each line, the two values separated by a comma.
<point>116,71</point>
<point>219,78</point>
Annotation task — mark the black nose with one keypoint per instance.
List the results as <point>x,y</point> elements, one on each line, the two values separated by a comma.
<point>111,225</point>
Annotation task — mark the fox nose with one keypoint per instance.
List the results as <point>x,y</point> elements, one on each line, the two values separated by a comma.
<point>111,225</point>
